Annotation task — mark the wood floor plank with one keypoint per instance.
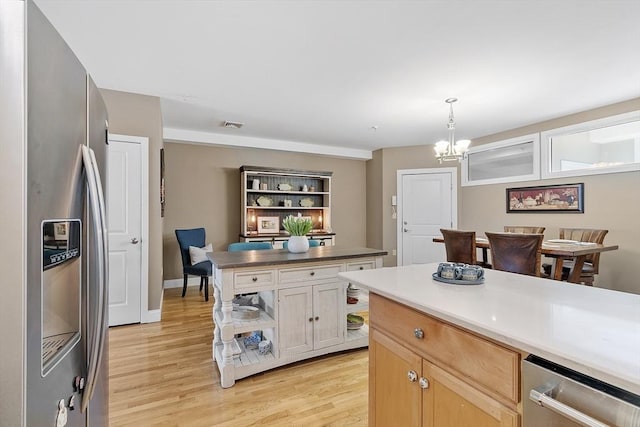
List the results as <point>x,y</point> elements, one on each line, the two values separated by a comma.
<point>162,374</point>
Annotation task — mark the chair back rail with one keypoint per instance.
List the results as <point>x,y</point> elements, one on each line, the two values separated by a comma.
<point>528,229</point>
<point>248,246</point>
<point>460,246</point>
<point>516,252</point>
<point>586,235</point>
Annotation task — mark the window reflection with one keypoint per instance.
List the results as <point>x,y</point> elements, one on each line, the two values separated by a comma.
<point>607,145</point>
<point>598,148</point>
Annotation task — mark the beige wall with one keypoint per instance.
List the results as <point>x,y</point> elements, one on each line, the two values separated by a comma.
<point>203,190</point>
<point>139,115</point>
<point>386,162</point>
<point>611,201</point>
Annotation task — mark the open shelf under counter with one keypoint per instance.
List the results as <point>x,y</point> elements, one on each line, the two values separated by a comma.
<point>361,333</point>
<point>361,305</point>
<point>241,326</point>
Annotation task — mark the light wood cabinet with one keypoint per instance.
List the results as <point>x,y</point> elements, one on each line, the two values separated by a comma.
<point>277,193</point>
<point>424,372</point>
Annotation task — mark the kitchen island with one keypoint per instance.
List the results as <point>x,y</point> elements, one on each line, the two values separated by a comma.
<point>471,339</point>
<point>301,306</point>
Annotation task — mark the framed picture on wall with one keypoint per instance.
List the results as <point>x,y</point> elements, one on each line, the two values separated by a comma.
<point>547,198</point>
<point>268,224</point>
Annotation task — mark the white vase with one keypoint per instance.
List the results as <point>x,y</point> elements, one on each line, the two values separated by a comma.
<point>298,244</point>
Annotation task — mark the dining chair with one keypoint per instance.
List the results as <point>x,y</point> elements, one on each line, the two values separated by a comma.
<point>460,246</point>
<point>592,261</point>
<point>312,243</point>
<point>516,252</point>
<point>248,246</point>
<point>194,237</point>
<point>523,229</point>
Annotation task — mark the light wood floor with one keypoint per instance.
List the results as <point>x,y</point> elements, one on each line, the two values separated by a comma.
<point>162,374</point>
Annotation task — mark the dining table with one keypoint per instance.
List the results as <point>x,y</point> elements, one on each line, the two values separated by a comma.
<point>560,249</point>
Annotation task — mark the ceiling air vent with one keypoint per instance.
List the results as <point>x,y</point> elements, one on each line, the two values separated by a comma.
<point>232,125</point>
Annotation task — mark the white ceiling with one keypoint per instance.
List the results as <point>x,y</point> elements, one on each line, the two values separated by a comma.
<point>327,72</point>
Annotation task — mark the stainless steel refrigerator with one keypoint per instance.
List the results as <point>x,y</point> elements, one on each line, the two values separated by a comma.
<point>53,261</point>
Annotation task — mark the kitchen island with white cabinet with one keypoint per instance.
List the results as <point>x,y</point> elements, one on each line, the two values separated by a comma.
<point>440,344</point>
<point>300,304</point>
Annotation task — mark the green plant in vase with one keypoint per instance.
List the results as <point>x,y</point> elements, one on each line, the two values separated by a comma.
<point>298,227</point>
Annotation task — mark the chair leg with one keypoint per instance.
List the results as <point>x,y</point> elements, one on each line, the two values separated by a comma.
<point>206,288</point>
<point>201,282</point>
<point>184,287</point>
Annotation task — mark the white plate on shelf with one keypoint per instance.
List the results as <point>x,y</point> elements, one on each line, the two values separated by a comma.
<point>264,201</point>
<point>562,241</point>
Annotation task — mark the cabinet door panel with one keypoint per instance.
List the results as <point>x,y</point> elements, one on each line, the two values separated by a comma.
<point>295,328</point>
<point>394,400</point>
<point>329,317</point>
<point>450,402</point>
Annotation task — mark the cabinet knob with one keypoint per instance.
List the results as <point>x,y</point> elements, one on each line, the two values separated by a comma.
<point>361,268</point>
<point>313,273</point>
<point>424,383</point>
<point>418,333</point>
<point>310,319</point>
<point>412,376</point>
<point>255,279</point>
<point>317,318</point>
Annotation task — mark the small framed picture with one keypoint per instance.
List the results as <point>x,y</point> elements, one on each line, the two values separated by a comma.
<point>60,230</point>
<point>268,224</point>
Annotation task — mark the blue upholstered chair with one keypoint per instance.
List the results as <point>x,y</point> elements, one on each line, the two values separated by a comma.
<point>248,246</point>
<point>194,237</point>
<point>312,243</point>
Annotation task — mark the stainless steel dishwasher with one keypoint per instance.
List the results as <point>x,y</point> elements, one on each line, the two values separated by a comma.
<point>555,396</point>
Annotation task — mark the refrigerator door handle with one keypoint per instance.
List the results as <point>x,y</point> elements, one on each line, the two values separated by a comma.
<point>97,209</point>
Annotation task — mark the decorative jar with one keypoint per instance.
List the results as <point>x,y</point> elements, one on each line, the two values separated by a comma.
<point>298,244</point>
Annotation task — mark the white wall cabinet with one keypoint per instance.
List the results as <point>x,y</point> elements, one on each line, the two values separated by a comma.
<point>268,195</point>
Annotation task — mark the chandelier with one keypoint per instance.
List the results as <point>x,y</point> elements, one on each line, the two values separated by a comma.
<point>451,149</point>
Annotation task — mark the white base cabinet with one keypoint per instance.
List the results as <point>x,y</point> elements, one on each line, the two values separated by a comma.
<point>302,307</point>
<point>311,317</point>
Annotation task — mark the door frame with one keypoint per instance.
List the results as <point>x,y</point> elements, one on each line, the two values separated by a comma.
<point>400,173</point>
<point>145,316</point>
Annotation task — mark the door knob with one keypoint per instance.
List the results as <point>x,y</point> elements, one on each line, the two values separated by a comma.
<point>424,383</point>
<point>406,230</point>
<point>134,241</point>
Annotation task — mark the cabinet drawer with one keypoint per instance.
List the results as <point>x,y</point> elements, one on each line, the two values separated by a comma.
<point>307,274</point>
<point>492,367</point>
<point>254,279</point>
<point>361,265</point>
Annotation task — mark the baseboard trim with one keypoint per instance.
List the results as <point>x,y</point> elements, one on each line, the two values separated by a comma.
<point>177,283</point>
<point>152,316</point>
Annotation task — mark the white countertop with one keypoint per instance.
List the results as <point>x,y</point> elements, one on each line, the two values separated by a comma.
<point>593,331</point>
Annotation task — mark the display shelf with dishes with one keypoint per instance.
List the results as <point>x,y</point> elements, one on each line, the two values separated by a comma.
<point>272,192</point>
<point>357,308</point>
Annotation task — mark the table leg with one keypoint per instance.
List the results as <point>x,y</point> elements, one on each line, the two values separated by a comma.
<point>485,256</point>
<point>557,271</point>
<point>576,271</point>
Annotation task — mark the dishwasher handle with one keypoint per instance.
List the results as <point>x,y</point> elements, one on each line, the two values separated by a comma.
<point>543,396</point>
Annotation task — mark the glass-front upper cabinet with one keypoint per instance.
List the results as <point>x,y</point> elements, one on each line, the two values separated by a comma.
<point>511,160</point>
<point>607,145</point>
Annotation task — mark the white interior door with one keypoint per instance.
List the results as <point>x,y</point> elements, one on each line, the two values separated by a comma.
<point>124,195</point>
<point>427,202</point>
